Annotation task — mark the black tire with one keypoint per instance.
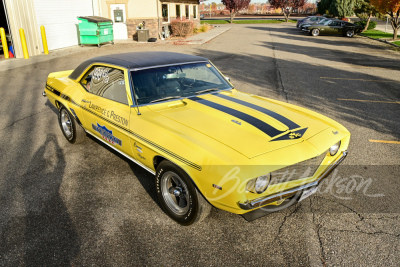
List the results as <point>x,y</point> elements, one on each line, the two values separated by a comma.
<point>350,33</point>
<point>178,196</point>
<point>314,32</point>
<point>71,130</point>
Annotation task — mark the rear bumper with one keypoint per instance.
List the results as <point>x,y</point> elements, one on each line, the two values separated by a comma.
<point>305,31</point>
<point>250,205</point>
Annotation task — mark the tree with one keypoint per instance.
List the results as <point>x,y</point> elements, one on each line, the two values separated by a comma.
<point>342,8</point>
<point>213,6</point>
<point>392,9</point>
<point>364,11</point>
<point>251,9</point>
<point>287,6</point>
<point>234,6</point>
<point>323,6</point>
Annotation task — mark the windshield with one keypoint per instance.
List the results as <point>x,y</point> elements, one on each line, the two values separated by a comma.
<point>328,22</point>
<point>165,83</point>
<point>323,21</point>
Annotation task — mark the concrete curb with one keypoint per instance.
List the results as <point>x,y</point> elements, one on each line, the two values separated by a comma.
<point>203,38</point>
<point>379,40</point>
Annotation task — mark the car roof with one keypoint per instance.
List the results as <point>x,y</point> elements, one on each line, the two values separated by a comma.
<point>137,60</point>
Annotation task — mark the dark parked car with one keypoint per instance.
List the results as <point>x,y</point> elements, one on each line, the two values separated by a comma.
<point>309,20</point>
<point>333,27</point>
<point>304,25</point>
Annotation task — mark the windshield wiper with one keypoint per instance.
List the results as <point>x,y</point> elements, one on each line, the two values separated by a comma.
<point>207,90</point>
<point>165,98</point>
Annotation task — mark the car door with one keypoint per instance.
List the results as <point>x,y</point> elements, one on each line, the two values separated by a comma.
<point>106,106</point>
<point>336,27</point>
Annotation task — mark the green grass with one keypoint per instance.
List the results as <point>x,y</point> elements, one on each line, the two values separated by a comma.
<point>397,43</point>
<point>378,34</point>
<point>245,21</point>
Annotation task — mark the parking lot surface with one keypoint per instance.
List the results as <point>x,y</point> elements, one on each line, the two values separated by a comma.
<point>63,204</point>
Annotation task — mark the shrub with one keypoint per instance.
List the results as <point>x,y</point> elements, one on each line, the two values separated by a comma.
<point>362,23</point>
<point>204,28</point>
<point>182,27</point>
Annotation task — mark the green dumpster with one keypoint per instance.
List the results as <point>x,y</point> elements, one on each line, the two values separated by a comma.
<point>95,30</point>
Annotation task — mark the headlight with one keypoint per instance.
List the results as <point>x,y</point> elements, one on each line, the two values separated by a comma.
<point>260,184</point>
<point>334,149</point>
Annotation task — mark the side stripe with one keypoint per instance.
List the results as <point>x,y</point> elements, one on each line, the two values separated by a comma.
<point>259,124</point>
<point>292,125</point>
<point>166,151</point>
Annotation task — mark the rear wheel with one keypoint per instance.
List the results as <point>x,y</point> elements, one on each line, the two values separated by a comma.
<point>314,32</point>
<point>178,196</point>
<point>350,33</point>
<point>72,131</point>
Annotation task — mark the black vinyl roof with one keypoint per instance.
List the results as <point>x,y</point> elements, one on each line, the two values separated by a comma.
<point>135,60</point>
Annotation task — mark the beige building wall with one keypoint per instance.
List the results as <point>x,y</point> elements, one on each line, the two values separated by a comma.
<point>21,15</point>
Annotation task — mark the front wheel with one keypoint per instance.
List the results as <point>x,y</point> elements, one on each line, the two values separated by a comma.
<point>178,196</point>
<point>350,33</point>
<point>73,132</point>
<point>314,32</point>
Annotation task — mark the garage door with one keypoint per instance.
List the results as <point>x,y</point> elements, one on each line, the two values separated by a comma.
<point>60,18</point>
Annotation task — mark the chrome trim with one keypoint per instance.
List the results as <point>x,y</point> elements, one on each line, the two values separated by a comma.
<point>122,153</point>
<point>249,205</point>
<point>44,93</point>
<point>167,65</point>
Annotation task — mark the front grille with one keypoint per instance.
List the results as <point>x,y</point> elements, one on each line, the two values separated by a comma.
<point>297,171</point>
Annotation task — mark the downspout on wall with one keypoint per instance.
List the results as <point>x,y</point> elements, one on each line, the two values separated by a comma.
<point>158,18</point>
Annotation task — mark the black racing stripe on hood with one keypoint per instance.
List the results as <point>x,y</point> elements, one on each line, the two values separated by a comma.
<point>264,127</point>
<point>292,125</point>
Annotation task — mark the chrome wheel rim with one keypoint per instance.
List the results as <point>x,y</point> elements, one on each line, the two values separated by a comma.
<point>66,123</point>
<point>350,33</point>
<point>175,193</point>
<point>315,32</point>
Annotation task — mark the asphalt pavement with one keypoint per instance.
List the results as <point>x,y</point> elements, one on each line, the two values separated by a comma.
<point>85,205</point>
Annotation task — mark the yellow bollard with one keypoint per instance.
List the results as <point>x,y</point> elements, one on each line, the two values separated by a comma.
<point>4,42</point>
<point>44,40</point>
<point>23,42</point>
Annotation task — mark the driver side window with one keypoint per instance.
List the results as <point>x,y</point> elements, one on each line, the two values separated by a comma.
<point>106,82</point>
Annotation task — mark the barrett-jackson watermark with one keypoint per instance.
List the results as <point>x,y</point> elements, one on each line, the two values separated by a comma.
<point>339,186</point>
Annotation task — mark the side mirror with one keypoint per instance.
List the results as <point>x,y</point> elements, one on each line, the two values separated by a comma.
<point>229,79</point>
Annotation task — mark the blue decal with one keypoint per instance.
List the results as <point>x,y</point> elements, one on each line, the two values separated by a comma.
<point>107,134</point>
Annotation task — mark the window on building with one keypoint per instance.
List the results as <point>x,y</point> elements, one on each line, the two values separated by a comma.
<point>187,11</point>
<point>165,13</point>
<point>178,11</point>
<point>194,11</point>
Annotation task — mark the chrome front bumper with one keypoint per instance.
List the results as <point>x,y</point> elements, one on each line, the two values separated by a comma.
<point>250,205</point>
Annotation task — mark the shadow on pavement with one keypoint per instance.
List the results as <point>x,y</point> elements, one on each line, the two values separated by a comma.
<point>50,236</point>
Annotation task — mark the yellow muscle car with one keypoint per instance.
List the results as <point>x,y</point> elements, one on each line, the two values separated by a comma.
<point>207,143</point>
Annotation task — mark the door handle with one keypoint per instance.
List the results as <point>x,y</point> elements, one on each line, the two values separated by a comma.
<point>83,100</point>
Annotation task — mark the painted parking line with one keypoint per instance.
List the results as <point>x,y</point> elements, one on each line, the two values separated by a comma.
<point>372,101</point>
<point>363,80</point>
<point>384,141</point>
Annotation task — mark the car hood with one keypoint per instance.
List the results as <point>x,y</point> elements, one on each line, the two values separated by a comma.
<point>249,124</point>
